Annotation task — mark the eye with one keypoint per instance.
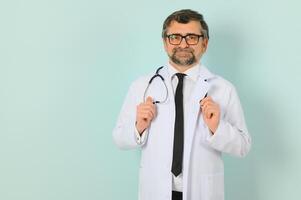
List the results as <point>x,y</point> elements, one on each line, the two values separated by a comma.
<point>175,37</point>
<point>192,37</point>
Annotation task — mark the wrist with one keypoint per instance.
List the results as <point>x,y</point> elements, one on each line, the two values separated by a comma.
<point>213,129</point>
<point>139,128</point>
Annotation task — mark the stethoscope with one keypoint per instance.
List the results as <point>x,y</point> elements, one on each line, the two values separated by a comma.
<point>157,75</point>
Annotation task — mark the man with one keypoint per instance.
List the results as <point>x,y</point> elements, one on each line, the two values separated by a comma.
<point>184,121</point>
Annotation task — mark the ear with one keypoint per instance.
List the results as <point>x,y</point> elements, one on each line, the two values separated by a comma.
<point>165,43</point>
<point>205,44</point>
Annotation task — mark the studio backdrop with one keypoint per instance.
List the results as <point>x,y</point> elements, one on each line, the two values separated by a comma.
<point>66,66</point>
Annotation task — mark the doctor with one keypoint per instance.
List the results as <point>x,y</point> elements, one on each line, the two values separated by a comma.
<point>184,122</point>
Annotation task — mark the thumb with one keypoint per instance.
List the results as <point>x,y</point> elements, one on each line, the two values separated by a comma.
<point>149,100</point>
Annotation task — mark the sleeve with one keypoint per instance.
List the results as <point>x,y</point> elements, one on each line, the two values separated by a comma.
<point>231,135</point>
<point>141,139</point>
<point>125,133</point>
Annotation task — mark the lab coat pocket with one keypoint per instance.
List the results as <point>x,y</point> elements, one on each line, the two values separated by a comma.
<point>214,187</point>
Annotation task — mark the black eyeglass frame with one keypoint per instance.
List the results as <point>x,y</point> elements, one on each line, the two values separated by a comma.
<point>184,36</point>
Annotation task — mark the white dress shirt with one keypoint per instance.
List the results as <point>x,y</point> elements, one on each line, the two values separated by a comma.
<point>188,85</point>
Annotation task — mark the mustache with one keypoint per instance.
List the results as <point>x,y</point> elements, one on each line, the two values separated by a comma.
<point>186,50</point>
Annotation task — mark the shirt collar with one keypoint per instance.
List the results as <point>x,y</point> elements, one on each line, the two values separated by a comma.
<point>192,73</point>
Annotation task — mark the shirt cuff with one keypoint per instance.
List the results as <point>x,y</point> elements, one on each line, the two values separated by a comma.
<point>140,138</point>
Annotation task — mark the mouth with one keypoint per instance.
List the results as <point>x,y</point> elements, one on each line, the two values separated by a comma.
<point>183,53</point>
<point>190,51</point>
<point>183,56</point>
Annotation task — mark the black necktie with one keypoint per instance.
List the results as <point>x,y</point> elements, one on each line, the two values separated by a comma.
<point>178,142</point>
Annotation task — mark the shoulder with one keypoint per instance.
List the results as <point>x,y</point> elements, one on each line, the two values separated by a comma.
<point>222,89</point>
<point>215,80</point>
<point>222,82</point>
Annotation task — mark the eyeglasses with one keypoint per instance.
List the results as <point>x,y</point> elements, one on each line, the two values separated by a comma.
<point>191,39</point>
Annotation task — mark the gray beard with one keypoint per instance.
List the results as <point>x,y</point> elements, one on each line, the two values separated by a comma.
<point>180,61</point>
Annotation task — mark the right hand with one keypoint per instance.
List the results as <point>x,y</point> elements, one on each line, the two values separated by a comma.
<point>146,112</point>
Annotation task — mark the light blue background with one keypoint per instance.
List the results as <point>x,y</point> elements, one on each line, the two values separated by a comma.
<point>65,67</point>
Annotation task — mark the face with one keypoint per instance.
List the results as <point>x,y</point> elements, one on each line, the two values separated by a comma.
<point>185,55</point>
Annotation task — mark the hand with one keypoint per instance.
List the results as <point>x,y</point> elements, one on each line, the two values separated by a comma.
<point>146,112</point>
<point>211,113</point>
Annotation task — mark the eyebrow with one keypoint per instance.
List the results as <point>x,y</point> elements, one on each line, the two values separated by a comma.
<point>185,34</point>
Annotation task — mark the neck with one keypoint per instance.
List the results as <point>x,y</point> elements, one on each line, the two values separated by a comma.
<point>181,68</point>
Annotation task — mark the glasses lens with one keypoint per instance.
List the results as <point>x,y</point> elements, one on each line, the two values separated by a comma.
<point>175,39</point>
<point>192,39</point>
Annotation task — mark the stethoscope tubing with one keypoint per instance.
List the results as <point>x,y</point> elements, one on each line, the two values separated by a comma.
<point>150,82</point>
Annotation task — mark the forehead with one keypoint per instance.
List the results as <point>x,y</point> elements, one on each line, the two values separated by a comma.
<point>190,27</point>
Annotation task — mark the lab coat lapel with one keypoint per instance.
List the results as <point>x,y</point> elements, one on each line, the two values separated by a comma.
<point>201,88</point>
<point>169,115</point>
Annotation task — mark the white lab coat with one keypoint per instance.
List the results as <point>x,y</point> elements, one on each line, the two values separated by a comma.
<point>203,170</point>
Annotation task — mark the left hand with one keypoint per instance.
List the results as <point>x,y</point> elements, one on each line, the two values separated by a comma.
<point>211,113</point>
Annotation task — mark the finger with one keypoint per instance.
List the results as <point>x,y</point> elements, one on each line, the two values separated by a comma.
<point>205,100</point>
<point>149,100</point>
<point>140,106</point>
<point>207,113</point>
<point>210,113</point>
<point>144,117</point>
<point>208,104</point>
<point>209,107</point>
<point>153,110</point>
<point>150,108</point>
<point>147,113</point>
<point>147,106</point>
